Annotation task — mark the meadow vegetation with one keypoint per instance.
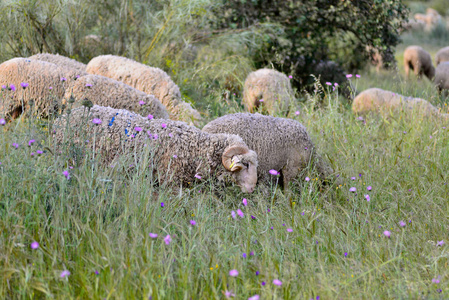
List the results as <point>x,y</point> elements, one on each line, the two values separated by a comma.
<point>71,229</point>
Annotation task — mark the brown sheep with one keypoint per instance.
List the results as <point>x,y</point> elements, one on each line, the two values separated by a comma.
<point>420,61</point>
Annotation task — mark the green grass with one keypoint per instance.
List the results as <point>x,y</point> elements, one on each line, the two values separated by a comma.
<point>100,219</point>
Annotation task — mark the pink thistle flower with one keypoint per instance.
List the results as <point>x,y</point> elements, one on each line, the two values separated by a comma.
<point>353,178</point>
<point>167,239</point>
<point>96,121</point>
<point>4,87</point>
<point>150,117</point>
<point>277,282</point>
<point>357,75</point>
<point>273,172</point>
<point>367,198</point>
<point>64,273</point>
<point>353,189</point>
<point>32,154</point>
<point>290,76</point>
<point>297,112</point>
<point>328,83</point>
<point>2,121</point>
<point>336,84</point>
<point>39,152</point>
<point>192,222</point>
<point>387,233</point>
<point>138,129</point>
<point>12,87</point>
<point>233,273</point>
<point>141,102</point>
<point>307,179</point>
<point>30,142</point>
<point>233,214</point>
<point>440,243</point>
<point>229,294</point>
<point>348,75</point>
<point>153,235</point>
<point>245,202</point>
<point>197,176</point>
<point>289,230</point>
<point>163,125</point>
<point>255,297</point>
<point>34,245</point>
<point>15,145</point>
<point>175,156</point>
<point>63,79</point>
<point>436,280</point>
<point>66,174</point>
<point>50,88</point>
<point>240,213</point>
<point>402,223</point>
<point>24,85</point>
<point>369,188</point>
<point>88,85</point>
<point>261,100</point>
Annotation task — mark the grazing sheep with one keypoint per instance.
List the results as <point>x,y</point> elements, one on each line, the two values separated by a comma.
<point>45,87</point>
<point>442,77</point>
<point>182,153</point>
<point>430,19</point>
<point>378,100</point>
<point>269,88</point>
<point>62,61</point>
<point>419,61</point>
<point>281,144</point>
<point>105,91</point>
<point>442,55</point>
<point>149,80</point>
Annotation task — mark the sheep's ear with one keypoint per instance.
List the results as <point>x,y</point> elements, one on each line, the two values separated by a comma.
<point>230,155</point>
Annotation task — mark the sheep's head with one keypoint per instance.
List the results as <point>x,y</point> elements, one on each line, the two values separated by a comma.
<point>242,163</point>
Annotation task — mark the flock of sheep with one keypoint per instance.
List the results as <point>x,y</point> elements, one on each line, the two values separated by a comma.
<point>121,108</point>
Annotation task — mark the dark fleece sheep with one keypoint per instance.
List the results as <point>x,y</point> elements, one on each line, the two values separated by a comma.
<point>281,144</point>
<point>442,77</point>
<point>105,91</point>
<point>182,153</point>
<point>442,55</point>
<point>420,61</point>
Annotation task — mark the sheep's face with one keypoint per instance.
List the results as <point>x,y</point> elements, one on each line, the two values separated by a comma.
<point>242,163</point>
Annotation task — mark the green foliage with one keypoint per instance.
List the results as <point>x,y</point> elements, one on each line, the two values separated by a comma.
<point>312,31</point>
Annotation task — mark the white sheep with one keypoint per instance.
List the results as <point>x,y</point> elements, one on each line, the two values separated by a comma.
<point>147,79</point>
<point>182,153</point>
<point>281,144</point>
<point>105,91</point>
<point>267,88</point>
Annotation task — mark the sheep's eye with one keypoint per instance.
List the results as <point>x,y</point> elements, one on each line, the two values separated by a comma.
<point>246,165</point>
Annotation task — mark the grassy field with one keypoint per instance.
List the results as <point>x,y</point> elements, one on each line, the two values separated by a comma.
<point>92,226</point>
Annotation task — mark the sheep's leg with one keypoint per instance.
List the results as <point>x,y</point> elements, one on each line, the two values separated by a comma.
<point>407,70</point>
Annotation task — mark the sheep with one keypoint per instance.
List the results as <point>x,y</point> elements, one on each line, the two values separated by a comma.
<point>430,19</point>
<point>442,55</point>
<point>442,77</point>
<point>105,91</point>
<point>281,144</point>
<point>149,80</point>
<point>269,88</point>
<point>62,61</point>
<point>419,61</point>
<point>182,153</point>
<point>46,86</point>
<point>382,101</point>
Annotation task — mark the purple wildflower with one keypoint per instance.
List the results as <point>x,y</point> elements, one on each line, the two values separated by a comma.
<point>30,142</point>
<point>167,239</point>
<point>353,189</point>
<point>402,223</point>
<point>96,121</point>
<point>163,125</point>
<point>141,102</point>
<point>277,282</point>
<point>440,243</point>
<point>66,174</point>
<point>24,85</point>
<point>233,214</point>
<point>153,235</point>
<point>12,87</point>
<point>240,213</point>
<point>64,273</point>
<point>2,121</point>
<point>233,273</point>
<point>273,172</point>
<point>150,117</point>
<point>63,79</point>
<point>192,222</point>
<point>138,129</point>
<point>387,233</point>
<point>34,245</point>
<point>245,202</point>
